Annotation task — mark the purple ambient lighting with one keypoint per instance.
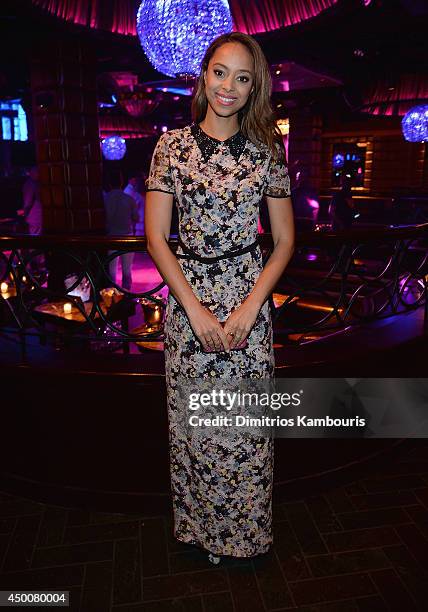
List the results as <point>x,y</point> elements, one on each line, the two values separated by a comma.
<point>415,124</point>
<point>176,34</point>
<point>113,147</point>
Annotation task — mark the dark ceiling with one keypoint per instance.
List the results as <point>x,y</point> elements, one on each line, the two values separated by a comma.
<point>351,43</point>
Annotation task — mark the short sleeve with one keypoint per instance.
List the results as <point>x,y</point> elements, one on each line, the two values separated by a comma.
<point>278,183</point>
<point>160,177</point>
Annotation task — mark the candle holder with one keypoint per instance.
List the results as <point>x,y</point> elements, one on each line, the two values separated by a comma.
<point>154,313</point>
<point>4,288</point>
<point>111,296</point>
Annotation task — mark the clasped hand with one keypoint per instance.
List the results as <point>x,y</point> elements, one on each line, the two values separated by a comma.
<point>215,337</point>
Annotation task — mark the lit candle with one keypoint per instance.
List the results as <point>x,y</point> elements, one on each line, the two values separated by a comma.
<point>156,314</point>
<point>67,307</point>
<point>4,287</point>
<point>24,279</point>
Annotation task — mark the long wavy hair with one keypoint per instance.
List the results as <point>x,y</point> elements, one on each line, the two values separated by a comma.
<point>256,119</point>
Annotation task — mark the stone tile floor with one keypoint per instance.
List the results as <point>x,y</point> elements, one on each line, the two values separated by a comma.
<point>362,547</point>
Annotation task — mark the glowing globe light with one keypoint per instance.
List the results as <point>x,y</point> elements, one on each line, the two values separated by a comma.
<point>113,147</point>
<point>338,160</point>
<point>415,124</point>
<point>176,33</point>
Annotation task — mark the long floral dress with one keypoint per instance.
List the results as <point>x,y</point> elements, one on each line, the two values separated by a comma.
<point>221,488</point>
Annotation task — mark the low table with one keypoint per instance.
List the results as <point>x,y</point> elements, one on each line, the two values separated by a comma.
<point>53,312</point>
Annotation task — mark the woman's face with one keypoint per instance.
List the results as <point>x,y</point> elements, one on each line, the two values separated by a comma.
<point>229,78</point>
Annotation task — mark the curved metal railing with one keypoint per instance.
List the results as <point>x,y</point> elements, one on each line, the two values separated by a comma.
<point>334,280</point>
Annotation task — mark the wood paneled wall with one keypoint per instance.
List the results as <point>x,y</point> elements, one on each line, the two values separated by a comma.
<point>393,165</point>
<point>65,111</point>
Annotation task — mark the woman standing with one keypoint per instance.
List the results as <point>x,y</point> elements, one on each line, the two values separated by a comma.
<point>219,168</point>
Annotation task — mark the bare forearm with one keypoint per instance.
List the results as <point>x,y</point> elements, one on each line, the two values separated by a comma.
<point>271,273</point>
<point>171,272</point>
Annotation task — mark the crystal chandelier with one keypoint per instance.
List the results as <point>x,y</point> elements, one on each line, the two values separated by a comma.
<point>113,147</point>
<point>176,33</point>
<point>415,124</point>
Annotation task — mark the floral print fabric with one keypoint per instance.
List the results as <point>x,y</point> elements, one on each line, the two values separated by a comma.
<point>221,488</point>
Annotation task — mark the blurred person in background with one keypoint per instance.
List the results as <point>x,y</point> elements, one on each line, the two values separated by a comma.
<point>32,214</point>
<point>133,189</point>
<point>121,218</point>
<point>341,209</point>
<point>32,205</point>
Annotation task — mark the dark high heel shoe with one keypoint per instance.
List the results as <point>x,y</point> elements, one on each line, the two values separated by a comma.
<point>213,559</point>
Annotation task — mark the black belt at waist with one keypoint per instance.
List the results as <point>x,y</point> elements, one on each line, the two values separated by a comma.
<point>189,254</point>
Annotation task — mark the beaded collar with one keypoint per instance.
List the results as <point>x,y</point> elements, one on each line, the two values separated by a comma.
<point>209,145</point>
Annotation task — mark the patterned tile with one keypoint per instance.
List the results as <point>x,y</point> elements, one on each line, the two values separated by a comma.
<point>361,547</point>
